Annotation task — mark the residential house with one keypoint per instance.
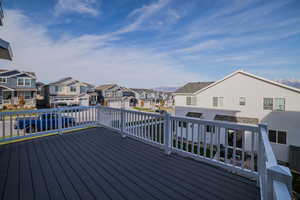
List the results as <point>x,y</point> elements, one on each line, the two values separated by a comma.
<point>152,99</point>
<point>67,92</point>
<point>113,95</point>
<point>5,50</point>
<point>17,89</point>
<point>245,98</point>
<point>145,97</point>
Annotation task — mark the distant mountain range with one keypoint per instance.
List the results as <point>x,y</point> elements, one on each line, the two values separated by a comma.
<point>166,89</point>
<point>290,82</point>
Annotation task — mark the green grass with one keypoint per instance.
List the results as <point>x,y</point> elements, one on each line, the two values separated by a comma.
<point>143,109</point>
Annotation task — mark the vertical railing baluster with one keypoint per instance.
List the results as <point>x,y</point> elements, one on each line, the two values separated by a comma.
<point>252,150</point>
<point>192,148</point>
<point>18,127</point>
<point>204,140</point>
<point>234,147</point>
<point>199,139</point>
<point>11,125</point>
<point>3,125</point>
<point>151,125</point>
<point>243,148</point>
<point>226,145</point>
<point>30,123</point>
<point>36,122</point>
<point>187,136</point>
<point>176,131</point>
<point>218,143</point>
<point>211,142</point>
<point>181,135</point>
<point>24,125</point>
<point>160,130</point>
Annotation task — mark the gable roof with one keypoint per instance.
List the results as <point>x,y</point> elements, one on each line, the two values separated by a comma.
<point>105,87</point>
<point>192,87</point>
<point>63,80</point>
<point>252,76</point>
<point>10,73</point>
<point>140,90</point>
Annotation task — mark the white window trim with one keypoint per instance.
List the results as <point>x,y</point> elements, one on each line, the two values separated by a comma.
<point>29,80</point>
<point>219,102</point>
<point>242,101</point>
<point>276,137</point>
<point>5,78</point>
<point>24,79</point>
<point>18,82</point>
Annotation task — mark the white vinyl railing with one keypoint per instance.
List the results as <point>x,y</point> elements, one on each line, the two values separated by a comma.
<point>275,180</point>
<point>241,149</point>
<point>27,123</point>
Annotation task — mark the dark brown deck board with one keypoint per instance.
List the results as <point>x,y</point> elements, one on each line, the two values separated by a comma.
<point>99,164</point>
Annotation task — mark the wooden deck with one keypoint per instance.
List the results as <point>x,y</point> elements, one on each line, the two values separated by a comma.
<point>99,164</point>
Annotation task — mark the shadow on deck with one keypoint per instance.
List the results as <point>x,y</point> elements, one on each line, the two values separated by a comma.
<point>98,164</point>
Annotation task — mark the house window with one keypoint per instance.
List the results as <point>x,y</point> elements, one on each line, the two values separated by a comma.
<point>272,136</point>
<point>268,104</point>
<point>218,101</point>
<point>188,100</point>
<point>194,114</point>
<point>20,82</point>
<point>3,80</point>
<point>58,89</point>
<point>279,104</point>
<point>210,129</point>
<point>27,82</point>
<point>278,137</point>
<point>73,89</point>
<point>27,95</point>
<point>242,101</point>
<point>281,137</point>
<point>183,124</point>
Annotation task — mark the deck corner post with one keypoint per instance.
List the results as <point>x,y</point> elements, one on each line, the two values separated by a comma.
<point>122,125</point>
<point>167,134</point>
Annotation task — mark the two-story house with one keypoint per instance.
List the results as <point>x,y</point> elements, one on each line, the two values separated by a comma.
<point>17,89</point>
<point>145,97</point>
<point>66,92</point>
<point>5,50</point>
<point>242,97</point>
<point>113,95</point>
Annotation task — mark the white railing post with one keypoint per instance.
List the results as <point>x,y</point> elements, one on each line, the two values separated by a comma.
<point>167,134</point>
<point>98,115</point>
<point>280,174</point>
<point>59,121</point>
<point>122,125</point>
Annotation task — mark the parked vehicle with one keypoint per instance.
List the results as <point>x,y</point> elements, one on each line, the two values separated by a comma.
<point>44,122</point>
<point>161,111</point>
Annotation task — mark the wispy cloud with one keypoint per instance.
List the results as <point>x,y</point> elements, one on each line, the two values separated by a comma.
<point>141,15</point>
<point>89,7</point>
<point>92,58</point>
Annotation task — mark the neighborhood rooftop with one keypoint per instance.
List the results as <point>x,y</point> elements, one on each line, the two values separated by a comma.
<point>105,87</point>
<point>5,72</point>
<point>193,87</point>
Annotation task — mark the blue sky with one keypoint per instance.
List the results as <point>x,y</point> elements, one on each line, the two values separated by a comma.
<point>140,43</point>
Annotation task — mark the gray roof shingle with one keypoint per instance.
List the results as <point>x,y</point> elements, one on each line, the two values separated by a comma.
<point>192,87</point>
